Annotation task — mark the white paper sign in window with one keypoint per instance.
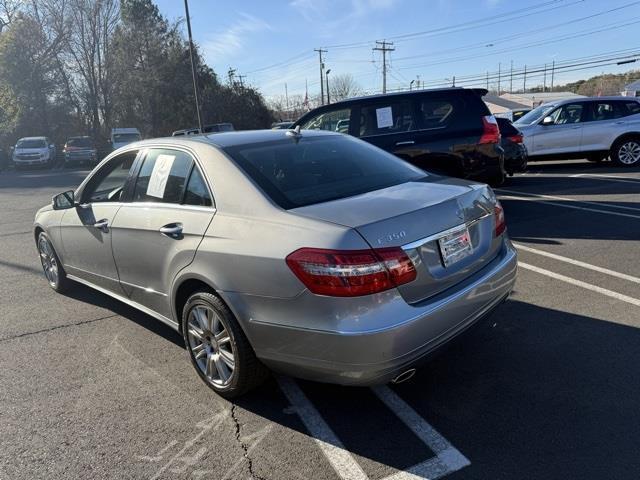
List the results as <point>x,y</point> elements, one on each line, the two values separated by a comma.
<point>160,175</point>
<point>384,117</point>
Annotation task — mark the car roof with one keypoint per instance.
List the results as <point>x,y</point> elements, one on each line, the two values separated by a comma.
<point>232,139</point>
<point>592,99</point>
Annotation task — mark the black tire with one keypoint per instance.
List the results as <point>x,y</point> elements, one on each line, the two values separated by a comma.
<point>626,152</point>
<point>61,282</point>
<point>248,372</point>
<point>498,178</point>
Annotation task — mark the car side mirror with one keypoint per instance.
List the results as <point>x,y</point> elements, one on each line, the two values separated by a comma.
<point>64,200</point>
<point>547,121</point>
<point>52,146</point>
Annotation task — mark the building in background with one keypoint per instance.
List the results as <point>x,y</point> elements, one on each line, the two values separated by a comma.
<point>632,90</point>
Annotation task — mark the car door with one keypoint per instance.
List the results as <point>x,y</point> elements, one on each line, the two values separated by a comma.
<point>604,122</point>
<point>87,229</point>
<point>387,123</point>
<point>157,233</point>
<point>564,135</point>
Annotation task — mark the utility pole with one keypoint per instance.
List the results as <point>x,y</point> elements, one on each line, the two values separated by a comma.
<point>327,76</point>
<point>320,52</point>
<point>487,80</point>
<point>231,73</point>
<point>240,81</point>
<point>411,84</point>
<point>286,96</point>
<point>524,80</point>
<point>544,82</point>
<point>511,79</point>
<point>454,81</point>
<point>193,66</point>
<point>553,71</point>
<point>384,47</point>
<point>499,72</point>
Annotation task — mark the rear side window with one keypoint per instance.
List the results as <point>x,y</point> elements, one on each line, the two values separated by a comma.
<point>458,110</point>
<point>333,121</point>
<point>380,119</point>
<point>197,192</point>
<point>435,113</point>
<point>295,173</point>
<point>630,108</point>
<point>605,111</point>
<point>163,176</point>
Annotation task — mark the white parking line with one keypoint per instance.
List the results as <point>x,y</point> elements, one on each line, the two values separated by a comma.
<point>564,205</point>
<point>447,460</point>
<point>340,459</point>
<point>580,283</point>
<point>578,263</point>
<point>567,199</point>
<point>611,178</point>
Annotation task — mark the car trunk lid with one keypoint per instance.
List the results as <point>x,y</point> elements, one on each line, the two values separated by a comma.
<point>414,216</point>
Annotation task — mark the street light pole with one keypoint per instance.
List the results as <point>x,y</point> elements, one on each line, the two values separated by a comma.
<point>327,75</point>
<point>193,67</point>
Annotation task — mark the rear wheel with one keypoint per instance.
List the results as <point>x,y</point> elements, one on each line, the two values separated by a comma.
<point>218,348</point>
<point>53,269</point>
<point>626,152</point>
<point>498,178</point>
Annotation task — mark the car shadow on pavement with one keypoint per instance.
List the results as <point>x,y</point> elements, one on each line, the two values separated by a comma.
<point>584,166</point>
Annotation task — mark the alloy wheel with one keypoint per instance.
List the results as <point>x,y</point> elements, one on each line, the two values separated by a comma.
<point>629,152</point>
<point>211,345</point>
<point>49,262</point>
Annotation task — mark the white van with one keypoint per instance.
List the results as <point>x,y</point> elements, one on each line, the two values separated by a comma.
<point>123,136</point>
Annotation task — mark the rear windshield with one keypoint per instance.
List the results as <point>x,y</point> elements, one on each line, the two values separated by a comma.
<point>125,137</point>
<point>79,142</point>
<point>31,144</point>
<point>319,169</point>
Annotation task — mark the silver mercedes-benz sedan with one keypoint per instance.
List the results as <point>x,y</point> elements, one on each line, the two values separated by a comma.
<point>312,253</point>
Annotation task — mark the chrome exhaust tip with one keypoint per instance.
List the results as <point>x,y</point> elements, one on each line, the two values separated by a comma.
<point>404,376</point>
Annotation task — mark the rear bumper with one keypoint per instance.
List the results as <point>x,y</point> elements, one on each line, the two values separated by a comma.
<point>80,157</point>
<point>379,337</point>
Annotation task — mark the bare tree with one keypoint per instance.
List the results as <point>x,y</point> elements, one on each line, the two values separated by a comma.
<point>8,11</point>
<point>343,86</point>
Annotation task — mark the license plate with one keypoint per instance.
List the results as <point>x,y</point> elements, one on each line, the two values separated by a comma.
<point>455,246</point>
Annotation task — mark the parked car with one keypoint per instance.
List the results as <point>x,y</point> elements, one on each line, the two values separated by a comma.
<point>213,128</point>
<point>518,114</point>
<point>314,253</point>
<point>123,136</point>
<point>79,150</point>
<point>281,125</point>
<point>448,130</point>
<point>515,153</point>
<point>592,128</point>
<point>30,151</point>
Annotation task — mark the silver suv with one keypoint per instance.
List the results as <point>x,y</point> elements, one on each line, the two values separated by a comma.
<point>592,128</point>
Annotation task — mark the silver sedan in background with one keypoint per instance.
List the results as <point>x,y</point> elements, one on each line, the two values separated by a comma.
<point>312,253</point>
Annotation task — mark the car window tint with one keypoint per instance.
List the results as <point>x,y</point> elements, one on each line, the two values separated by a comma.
<point>163,176</point>
<point>392,117</point>
<point>197,192</point>
<point>107,184</point>
<point>506,128</point>
<point>435,113</point>
<point>604,111</point>
<point>571,113</point>
<point>309,170</point>
<point>631,108</point>
<point>334,121</point>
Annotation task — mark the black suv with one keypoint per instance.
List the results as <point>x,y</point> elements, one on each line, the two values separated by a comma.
<point>448,130</point>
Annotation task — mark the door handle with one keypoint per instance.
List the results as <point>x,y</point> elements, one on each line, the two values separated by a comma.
<point>173,230</point>
<point>102,225</point>
<point>408,142</point>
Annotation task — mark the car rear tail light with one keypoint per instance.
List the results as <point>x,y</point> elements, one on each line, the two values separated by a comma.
<point>351,273</point>
<point>518,138</point>
<point>491,133</point>
<point>501,225</point>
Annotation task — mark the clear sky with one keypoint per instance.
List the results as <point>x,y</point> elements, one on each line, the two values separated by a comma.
<point>272,41</point>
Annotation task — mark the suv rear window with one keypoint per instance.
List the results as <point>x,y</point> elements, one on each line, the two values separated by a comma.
<point>319,169</point>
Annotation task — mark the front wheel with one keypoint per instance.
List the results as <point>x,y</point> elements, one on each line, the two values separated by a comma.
<point>626,152</point>
<point>218,348</point>
<point>53,269</point>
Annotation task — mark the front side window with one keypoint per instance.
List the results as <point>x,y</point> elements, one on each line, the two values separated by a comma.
<point>295,173</point>
<point>571,113</point>
<point>107,184</point>
<point>334,121</point>
<point>381,119</point>
<point>163,176</point>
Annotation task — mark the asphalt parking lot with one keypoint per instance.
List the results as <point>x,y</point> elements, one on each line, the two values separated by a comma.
<point>546,387</point>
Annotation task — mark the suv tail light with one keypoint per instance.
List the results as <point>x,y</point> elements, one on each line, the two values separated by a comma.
<point>491,133</point>
<point>517,138</point>
<point>501,225</point>
<point>351,273</point>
